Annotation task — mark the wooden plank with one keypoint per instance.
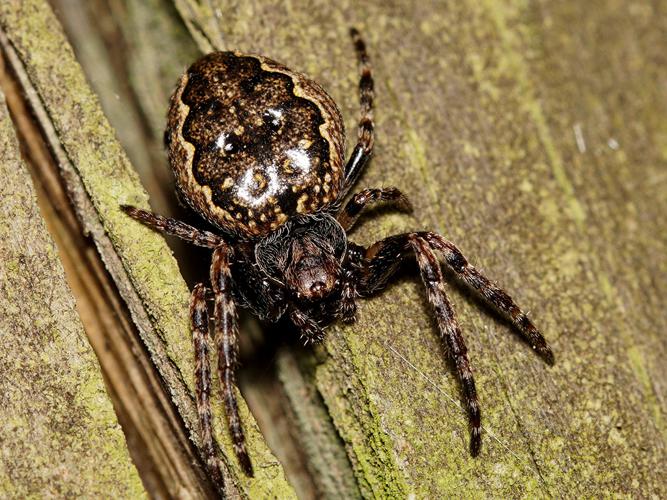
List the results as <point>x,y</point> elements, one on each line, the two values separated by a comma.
<point>483,109</point>
<point>98,177</point>
<point>60,436</point>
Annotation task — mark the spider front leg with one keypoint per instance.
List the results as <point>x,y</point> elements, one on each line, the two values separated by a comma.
<point>351,273</point>
<point>492,293</point>
<point>173,227</point>
<point>227,343</point>
<point>386,255</point>
<point>311,332</point>
<point>364,148</point>
<point>351,212</point>
<point>382,260</point>
<point>200,337</point>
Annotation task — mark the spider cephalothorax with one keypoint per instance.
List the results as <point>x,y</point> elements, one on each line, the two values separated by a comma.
<point>305,256</point>
<point>257,150</point>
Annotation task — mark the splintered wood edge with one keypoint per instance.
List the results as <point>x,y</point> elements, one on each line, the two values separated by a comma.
<point>99,178</point>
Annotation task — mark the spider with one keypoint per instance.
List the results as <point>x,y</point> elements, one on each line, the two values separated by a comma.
<point>258,151</point>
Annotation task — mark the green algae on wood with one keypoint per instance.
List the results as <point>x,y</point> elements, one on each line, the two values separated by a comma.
<point>481,111</point>
<point>309,422</point>
<point>100,178</point>
<point>59,434</point>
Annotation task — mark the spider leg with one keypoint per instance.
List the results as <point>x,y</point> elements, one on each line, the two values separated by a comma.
<point>200,337</point>
<point>383,259</point>
<point>364,148</point>
<point>226,340</point>
<point>387,253</point>
<point>352,268</point>
<point>491,292</point>
<point>347,309</point>
<point>311,332</point>
<point>349,215</point>
<point>174,227</point>
<point>450,333</point>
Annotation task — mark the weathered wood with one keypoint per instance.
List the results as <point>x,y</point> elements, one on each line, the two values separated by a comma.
<point>59,434</point>
<point>159,446</point>
<point>134,40</point>
<point>133,53</point>
<point>533,135</point>
<point>99,178</point>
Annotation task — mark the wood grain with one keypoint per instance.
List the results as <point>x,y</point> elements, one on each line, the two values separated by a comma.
<point>60,436</point>
<point>98,178</point>
<point>531,134</point>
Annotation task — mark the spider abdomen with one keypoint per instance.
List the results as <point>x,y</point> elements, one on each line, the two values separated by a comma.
<point>252,143</point>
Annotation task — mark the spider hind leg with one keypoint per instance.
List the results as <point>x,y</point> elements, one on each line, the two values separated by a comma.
<point>364,148</point>
<point>173,227</point>
<point>382,259</point>
<point>200,337</point>
<point>353,209</point>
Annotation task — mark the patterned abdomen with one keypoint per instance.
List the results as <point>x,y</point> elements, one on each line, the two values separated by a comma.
<point>252,143</point>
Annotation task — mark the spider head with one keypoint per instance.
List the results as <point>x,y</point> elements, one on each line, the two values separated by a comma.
<point>312,268</point>
<point>305,255</point>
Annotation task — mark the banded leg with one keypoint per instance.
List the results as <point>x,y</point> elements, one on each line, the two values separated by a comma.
<point>364,148</point>
<point>311,332</point>
<point>386,254</point>
<point>349,215</point>
<point>492,293</point>
<point>352,269</point>
<point>450,333</point>
<point>200,337</point>
<point>174,227</point>
<point>227,344</point>
<point>382,260</point>
<point>348,306</point>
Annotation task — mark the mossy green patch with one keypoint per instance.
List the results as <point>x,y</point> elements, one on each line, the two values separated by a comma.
<point>59,432</point>
<point>106,180</point>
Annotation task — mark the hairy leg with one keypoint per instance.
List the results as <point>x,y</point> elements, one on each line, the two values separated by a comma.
<point>492,293</point>
<point>450,334</point>
<point>386,254</point>
<point>227,344</point>
<point>311,332</point>
<point>347,309</point>
<point>200,337</point>
<point>364,148</point>
<point>174,227</point>
<point>351,273</point>
<point>382,259</point>
<point>349,215</point>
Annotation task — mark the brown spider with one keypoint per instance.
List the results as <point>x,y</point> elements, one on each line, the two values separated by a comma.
<point>258,151</point>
